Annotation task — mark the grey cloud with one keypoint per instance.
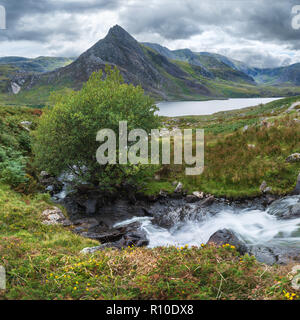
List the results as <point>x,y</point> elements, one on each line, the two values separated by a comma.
<point>257,57</point>
<point>252,19</point>
<point>268,21</point>
<point>19,9</point>
<point>265,21</point>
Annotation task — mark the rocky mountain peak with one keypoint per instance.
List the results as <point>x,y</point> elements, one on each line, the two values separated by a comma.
<point>113,46</point>
<point>119,33</point>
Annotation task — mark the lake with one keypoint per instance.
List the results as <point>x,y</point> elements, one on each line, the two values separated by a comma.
<point>186,108</point>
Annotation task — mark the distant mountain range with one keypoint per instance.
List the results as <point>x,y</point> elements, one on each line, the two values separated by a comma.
<point>40,64</point>
<point>12,66</point>
<point>163,73</point>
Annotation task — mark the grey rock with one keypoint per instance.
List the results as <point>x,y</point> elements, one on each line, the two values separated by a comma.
<point>53,216</point>
<point>285,208</point>
<point>105,237</point>
<point>295,157</point>
<point>136,239</point>
<point>86,223</point>
<point>275,255</point>
<point>50,183</point>
<point>179,188</point>
<point>163,193</point>
<point>263,254</point>
<point>67,223</point>
<point>50,188</point>
<point>264,188</point>
<point>92,250</point>
<point>198,194</point>
<point>297,188</point>
<point>208,201</point>
<point>118,239</point>
<point>191,199</point>
<point>226,236</point>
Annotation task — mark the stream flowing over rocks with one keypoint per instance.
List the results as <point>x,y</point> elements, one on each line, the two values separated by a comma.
<point>264,227</point>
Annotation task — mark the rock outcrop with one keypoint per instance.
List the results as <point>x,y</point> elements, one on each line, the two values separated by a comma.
<point>226,236</point>
<point>285,208</point>
<point>296,191</point>
<point>54,216</point>
<point>295,157</point>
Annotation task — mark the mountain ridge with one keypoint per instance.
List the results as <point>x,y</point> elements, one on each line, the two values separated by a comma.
<point>163,73</point>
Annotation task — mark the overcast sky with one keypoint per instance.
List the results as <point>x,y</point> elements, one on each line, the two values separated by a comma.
<point>258,32</point>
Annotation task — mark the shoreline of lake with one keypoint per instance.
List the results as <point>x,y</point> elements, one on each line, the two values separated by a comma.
<point>208,107</point>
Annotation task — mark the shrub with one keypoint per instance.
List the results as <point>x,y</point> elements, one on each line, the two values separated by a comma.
<point>66,135</point>
<point>12,167</point>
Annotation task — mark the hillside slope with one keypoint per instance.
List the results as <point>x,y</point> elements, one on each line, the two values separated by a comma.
<point>40,64</point>
<point>164,74</point>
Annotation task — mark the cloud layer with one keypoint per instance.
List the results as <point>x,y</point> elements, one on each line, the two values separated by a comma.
<point>258,32</point>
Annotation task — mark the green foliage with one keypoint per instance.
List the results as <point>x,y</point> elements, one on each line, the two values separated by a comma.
<point>15,145</point>
<point>12,167</point>
<point>66,135</point>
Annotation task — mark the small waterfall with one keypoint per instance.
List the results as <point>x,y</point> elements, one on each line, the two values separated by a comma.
<point>253,226</point>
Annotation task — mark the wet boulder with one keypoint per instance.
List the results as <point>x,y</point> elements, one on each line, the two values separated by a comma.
<point>85,224</point>
<point>170,213</point>
<point>208,201</point>
<point>120,237</point>
<point>226,236</point>
<point>191,199</point>
<point>128,236</point>
<point>136,239</point>
<point>263,254</point>
<point>271,255</point>
<point>285,208</point>
<point>50,183</point>
<point>297,188</point>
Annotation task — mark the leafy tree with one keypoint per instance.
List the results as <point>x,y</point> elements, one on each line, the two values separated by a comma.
<point>66,136</point>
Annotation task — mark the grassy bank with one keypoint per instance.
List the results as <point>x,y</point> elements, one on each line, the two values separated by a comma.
<point>43,262</point>
<point>243,148</point>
